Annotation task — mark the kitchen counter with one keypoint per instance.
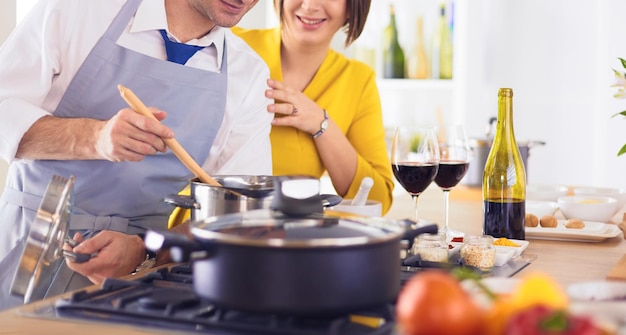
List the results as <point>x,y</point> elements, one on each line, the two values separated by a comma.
<point>566,262</point>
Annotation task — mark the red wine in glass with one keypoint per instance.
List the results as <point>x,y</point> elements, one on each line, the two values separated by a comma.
<point>415,160</point>
<point>453,165</point>
<point>450,173</point>
<point>414,177</point>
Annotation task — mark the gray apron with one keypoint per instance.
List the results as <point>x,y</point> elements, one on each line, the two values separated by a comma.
<point>128,196</point>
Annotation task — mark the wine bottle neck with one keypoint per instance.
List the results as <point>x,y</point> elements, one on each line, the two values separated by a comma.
<point>505,117</point>
<point>394,30</point>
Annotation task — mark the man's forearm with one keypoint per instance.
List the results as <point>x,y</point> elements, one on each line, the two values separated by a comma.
<point>60,139</point>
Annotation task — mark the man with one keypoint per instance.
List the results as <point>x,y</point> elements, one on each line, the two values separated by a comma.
<point>61,113</point>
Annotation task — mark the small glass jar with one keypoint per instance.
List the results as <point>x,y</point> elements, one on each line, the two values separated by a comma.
<point>431,247</point>
<point>479,251</point>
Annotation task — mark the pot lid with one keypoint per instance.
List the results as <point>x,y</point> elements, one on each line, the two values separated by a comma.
<point>265,227</point>
<point>44,243</point>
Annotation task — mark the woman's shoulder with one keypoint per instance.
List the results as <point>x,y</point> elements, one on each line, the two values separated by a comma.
<point>250,35</point>
<point>350,64</point>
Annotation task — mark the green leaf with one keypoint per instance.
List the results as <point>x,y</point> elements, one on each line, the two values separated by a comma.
<point>462,273</point>
<point>623,62</point>
<point>622,113</point>
<point>415,143</point>
<point>557,322</point>
<point>622,151</point>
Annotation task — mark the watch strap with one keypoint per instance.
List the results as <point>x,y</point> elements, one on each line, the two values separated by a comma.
<point>323,126</point>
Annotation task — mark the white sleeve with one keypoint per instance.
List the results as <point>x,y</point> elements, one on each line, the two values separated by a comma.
<point>28,66</point>
<point>243,143</point>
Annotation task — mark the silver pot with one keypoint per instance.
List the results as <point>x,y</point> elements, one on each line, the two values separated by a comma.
<point>239,193</point>
<point>481,148</point>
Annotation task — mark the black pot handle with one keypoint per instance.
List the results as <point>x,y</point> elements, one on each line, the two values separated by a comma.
<point>411,233</point>
<point>330,200</point>
<point>183,201</point>
<point>182,249</point>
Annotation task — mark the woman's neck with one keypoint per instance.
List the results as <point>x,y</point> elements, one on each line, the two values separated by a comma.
<point>300,63</point>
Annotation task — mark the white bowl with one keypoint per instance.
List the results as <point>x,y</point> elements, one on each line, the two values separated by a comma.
<point>617,193</point>
<point>545,192</point>
<point>588,207</point>
<point>541,208</point>
<point>597,291</point>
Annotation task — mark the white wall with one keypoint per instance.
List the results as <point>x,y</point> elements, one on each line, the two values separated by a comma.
<point>558,58</point>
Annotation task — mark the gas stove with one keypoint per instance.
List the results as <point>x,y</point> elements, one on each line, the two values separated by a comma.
<point>165,299</point>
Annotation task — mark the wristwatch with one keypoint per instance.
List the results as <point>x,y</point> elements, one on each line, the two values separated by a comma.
<point>323,126</point>
<point>148,262</point>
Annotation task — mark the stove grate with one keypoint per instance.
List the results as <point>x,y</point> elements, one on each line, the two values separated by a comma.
<point>165,299</point>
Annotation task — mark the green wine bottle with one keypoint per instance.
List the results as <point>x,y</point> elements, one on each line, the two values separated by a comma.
<point>442,49</point>
<point>504,179</point>
<point>393,56</point>
<point>445,47</point>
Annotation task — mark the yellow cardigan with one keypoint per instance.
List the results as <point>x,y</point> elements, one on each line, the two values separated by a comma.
<point>347,90</point>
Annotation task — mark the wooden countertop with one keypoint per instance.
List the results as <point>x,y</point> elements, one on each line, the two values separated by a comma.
<point>566,262</point>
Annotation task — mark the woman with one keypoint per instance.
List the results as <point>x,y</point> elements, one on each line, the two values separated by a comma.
<point>310,80</point>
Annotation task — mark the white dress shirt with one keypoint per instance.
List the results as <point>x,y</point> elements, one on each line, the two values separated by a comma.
<point>41,56</point>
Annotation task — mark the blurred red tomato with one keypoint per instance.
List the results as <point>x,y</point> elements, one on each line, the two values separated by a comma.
<point>433,302</point>
<point>543,320</point>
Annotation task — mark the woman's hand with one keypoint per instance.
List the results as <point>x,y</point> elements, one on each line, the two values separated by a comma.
<point>293,108</point>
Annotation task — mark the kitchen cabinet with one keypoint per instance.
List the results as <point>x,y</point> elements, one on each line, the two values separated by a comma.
<point>412,101</point>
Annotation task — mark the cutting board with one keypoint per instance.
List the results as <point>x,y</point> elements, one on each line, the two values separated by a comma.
<point>618,272</point>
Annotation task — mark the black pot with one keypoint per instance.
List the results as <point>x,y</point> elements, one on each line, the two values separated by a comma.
<point>315,265</point>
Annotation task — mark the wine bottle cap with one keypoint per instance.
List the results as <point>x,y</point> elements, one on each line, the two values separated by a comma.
<point>505,92</point>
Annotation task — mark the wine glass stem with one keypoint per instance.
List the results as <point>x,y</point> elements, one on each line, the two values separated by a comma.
<point>415,206</point>
<point>446,204</point>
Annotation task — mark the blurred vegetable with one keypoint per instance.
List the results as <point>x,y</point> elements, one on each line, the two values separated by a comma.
<point>433,302</point>
<point>539,289</point>
<point>415,143</point>
<point>543,320</point>
<point>533,290</point>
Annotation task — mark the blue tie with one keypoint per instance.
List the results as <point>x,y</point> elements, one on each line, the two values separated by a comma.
<point>178,52</point>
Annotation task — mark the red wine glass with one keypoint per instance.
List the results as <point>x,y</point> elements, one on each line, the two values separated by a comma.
<point>453,165</point>
<point>415,160</point>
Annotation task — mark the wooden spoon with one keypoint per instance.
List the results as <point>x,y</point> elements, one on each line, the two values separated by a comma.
<point>180,152</point>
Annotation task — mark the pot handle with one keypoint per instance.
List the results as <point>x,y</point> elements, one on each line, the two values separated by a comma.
<point>182,249</point>
<point>411,233</point>
<point>183,201</point>
<point>330,200</point>
<point>532,144</point>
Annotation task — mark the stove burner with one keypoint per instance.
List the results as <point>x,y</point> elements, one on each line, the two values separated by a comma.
<point>169,299</point>
<point>166,299</point>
